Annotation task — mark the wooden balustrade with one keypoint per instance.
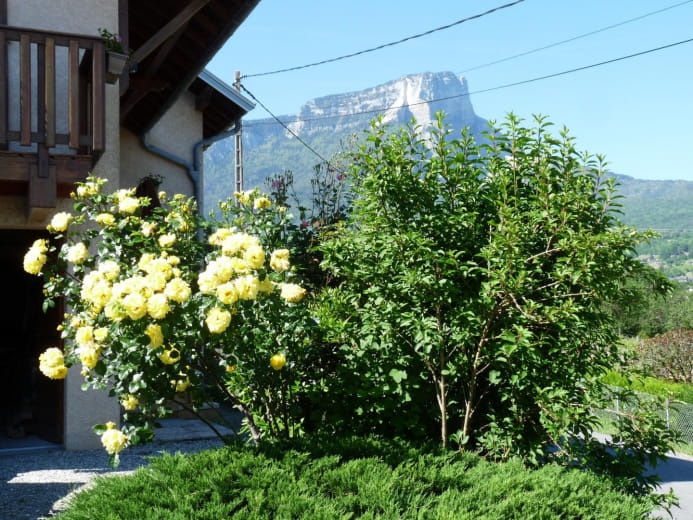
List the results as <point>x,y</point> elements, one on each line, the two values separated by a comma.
<point>38,148</point>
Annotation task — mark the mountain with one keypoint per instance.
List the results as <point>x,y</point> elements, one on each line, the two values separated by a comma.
<point>328,124</point>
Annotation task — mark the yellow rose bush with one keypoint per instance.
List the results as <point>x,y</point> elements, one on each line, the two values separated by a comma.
<point>162,302</point>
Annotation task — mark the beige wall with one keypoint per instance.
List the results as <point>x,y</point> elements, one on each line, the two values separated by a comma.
<point>73,16</point>
<point>176,132</point>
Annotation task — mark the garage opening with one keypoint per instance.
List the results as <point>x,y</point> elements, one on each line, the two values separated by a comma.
<point>31,410</point>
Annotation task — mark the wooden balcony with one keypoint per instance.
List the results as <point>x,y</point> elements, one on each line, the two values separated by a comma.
<point>52,113</point>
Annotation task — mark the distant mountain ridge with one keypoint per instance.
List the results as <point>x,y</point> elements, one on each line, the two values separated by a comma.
<point>326,123</point>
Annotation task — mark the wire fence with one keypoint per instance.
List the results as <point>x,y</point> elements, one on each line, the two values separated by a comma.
<point>677,414</point>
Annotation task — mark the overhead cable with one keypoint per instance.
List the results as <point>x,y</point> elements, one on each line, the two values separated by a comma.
<point>384,45</point>
<point>556,44</point>
<point>481,91</point>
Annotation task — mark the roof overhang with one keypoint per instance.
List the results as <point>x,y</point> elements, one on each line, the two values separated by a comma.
<point>221,104</point>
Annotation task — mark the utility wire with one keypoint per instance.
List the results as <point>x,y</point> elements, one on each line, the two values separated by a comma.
<point>481,91</point>
<point>384,45</point>
<point>556,44</point>
<point>284,125</point>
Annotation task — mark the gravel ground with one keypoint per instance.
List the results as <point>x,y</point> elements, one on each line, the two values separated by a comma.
<point>32,484</point>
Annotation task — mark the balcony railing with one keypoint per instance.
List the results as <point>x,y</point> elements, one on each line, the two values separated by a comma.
<point>52,111</point>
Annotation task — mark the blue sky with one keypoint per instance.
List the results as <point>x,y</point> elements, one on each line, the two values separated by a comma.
<point>637,112</point>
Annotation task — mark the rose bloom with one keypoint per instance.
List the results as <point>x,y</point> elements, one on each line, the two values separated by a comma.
<point>167,240</point>
<point>148,228</point>
<point>278,361</point>
<point>52,363</point>
<point>170,356</point>
<point>84,335</point>
<point>105,219</point>
<point>227,293</point>
<point>254,257</point>
<point>110,269</point>
<point>279,261</point>
<point>129,402</point>
<point>77,253</point>
<point>218,320</point>
<point>113,440</point>
<point>181,384</point>
<point>292,293</point>
<point>89,355</point>
<point>157,306</point>
<point>262,202</point>
<point>156,281</point>
<point>34,260</point>
<point>177,290</point>
<point>222,268</point>
<point>100,334</point>
<point>88,189</point>
<point>156,336</point>
<point>96,290</point>
<point>219,235</point>
<point>243,196</point>
<point>114,310</point>
<point>207,282</point>
<point>266,286</point>
<point>60,222</point>
<point>247,286</point>
<point>135,306</point>
<point>128,205</point>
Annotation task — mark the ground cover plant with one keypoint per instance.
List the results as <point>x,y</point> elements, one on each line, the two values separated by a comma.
<point>349,478</point>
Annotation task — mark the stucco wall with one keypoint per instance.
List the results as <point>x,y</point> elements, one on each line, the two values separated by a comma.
<point>73,16</point>
<point>176,132</point>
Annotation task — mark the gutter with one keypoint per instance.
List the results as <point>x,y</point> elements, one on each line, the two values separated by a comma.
<point>195,168</point>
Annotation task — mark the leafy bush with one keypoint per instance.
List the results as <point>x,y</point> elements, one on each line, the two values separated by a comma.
<point>669,356</point>
<point>349,478</point>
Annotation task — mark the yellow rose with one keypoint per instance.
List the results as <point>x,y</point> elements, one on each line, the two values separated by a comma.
<point>170,356</point>
<point>105,219</point>
<point>227,293</point>
<point>222,268</point>
<point>113,439</point>
<point>156,336</point>
<point>59,222</point>
<point>217,238</point>
<point>84,335</point>
<point>279,261</point>
<point>156,281</point>
<point>34,260</point>
<point>167,240</point>
<point>278,361</point>
<point>262,202</point>
<point>135,306</point>
<point>148,228</point>
<point>177,290</point>
<point>129,402</point>
<point>247,287</point>
<point>89,355</point>
<point>100,334</point>
<point>173,260</point>
<point>254,257</point>
<point>157,306</point>
<point>292,293</point>
<point>218,320</point>
<point>109,268</point>
<point>128,205</point>
<point>181,384</point>
<point>77,253</point>
<point>114,310</point>
<point>88,189</point>
<point>207,282</point>
<point>52,364</point>
<point>266,286</point>
<point>243,196</point>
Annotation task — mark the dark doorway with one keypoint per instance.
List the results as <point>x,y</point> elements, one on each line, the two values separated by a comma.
<point>31,404</point>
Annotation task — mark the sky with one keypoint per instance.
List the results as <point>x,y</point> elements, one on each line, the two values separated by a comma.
<point>637,112</point>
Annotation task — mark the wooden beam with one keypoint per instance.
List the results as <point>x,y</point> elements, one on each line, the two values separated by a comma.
<point>73,94</point>
<point>204,98</point>
<point>98,85</point>
<point>43,196</point>
<point>167,30</point>
<point>50,92</point>
<point>25,89</point>
<point>124,33</point>
<point>3,89</point>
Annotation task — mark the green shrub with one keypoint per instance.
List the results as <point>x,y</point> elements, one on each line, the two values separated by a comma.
<point>349,478</point>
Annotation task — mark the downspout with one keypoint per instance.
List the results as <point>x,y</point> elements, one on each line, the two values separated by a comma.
<point>194,169</point>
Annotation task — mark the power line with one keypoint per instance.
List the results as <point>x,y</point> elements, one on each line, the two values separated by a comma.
<point>482,91</point>
<point>556,44</point>
<point>384,45</point>
<point>309,147</point>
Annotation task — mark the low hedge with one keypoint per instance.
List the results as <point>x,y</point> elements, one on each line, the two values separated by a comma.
<point>347,479</point>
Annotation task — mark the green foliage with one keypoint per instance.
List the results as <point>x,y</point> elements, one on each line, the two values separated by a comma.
<point>474,280</point>
<point>668,356</point>
<point>651,385</point>
<point>349,478</point>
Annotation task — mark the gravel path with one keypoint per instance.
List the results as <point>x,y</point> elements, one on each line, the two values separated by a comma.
<point>32,483</point>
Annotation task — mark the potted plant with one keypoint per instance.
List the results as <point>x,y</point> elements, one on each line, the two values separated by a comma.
<point>117,56</point>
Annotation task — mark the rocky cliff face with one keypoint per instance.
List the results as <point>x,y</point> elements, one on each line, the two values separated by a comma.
<point>326,122</point>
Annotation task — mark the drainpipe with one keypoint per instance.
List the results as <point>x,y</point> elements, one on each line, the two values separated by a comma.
<point>194,169</point>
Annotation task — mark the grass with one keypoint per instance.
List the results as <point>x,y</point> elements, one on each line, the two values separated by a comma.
<point>651,385</point>
<point>348,479</point>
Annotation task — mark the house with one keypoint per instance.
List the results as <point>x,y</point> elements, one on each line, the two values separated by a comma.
<point>63,115</point>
